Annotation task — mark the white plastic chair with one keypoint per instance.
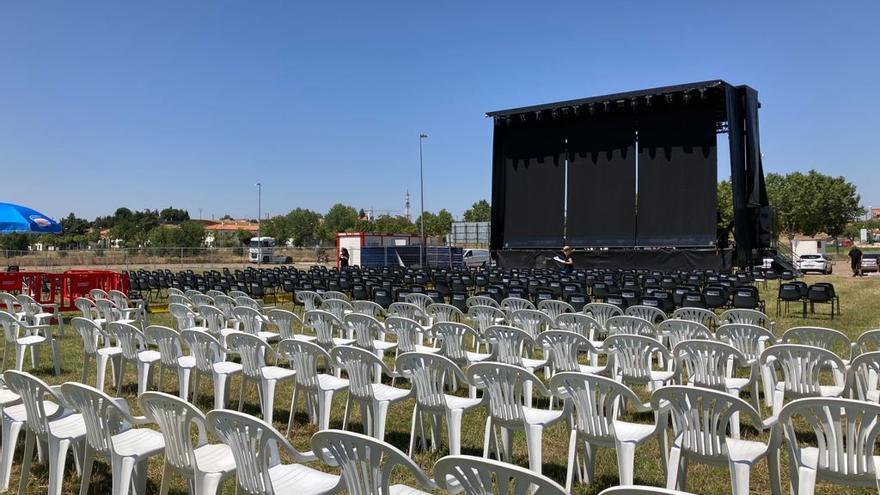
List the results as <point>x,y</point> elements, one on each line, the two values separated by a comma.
<point>631,325</point>
<point>98,294</point>
<point>254,323</point>
<point>641,490</point>
<point>531,320</point>
<point>453,339</point>
<point>109,434</point>
<point>253,352</point>
<point>245,301</point>
<point>431,376</point>
<point>826,338</point>
<point>649,313</point>
<point>410,335</point>
<point>504,385</point>
<point>798,371</point>
<point>335,294</point>
<point>584,325</point>
<point>601,312</point>
<point>368,308</point>
<point>564,349</point>
<point>700,315</point>
<point>36,313</point>
<point>514,346</point>
<point>226,304</point>
<point>553,308</point>
<point>214,320</point>
<point>326,326</point>
<point>185,317</point>
<point>868,341</point>
<point>255,446</point>
<point>290,326</point>
<point>127,307</point>
<point>171,356</point>
<point>339,308</point>
<point>438,312</point>
<point>202,300</point>
<point>675,331</point>
<point>631,360</point>
<point>411,311</point>
<point>476,476</point>
<point>110,313</point>
<point>374,397</point>
<point>309,299</point>
<point>751,340</point>
<point>845,438</point>
<point>318,388</point>
<point>511,304</point>
<point>61,430</point>
<point>88,310</point>
<point>596,423</point>
<point>366,464</point>
<point>748,317</point>
<point>11,303</point>
<point>13,415</point>
<point>367,334</point>
<point>700,420</point>
<point>97,344</point>
<point>210,356</point>
<point>204,465</point>
<point>419,299</point>
<point>134,350</point>
<point>480,300</point>
<point>862,377</point>
<point>12,328</point>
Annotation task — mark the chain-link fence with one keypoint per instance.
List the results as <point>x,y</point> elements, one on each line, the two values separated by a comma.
<point>151,258</point>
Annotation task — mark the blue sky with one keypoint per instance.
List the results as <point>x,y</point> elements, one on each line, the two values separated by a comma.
<point>151,104</point>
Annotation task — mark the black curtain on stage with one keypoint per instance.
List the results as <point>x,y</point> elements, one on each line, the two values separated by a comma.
<point>677,169</point>
<point>534,184</point>
<point>601,182</point>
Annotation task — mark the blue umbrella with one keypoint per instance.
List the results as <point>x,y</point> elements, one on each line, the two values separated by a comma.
<point>21,219</point>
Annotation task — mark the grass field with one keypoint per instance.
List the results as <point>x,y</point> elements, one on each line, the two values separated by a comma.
<point>861,311</point>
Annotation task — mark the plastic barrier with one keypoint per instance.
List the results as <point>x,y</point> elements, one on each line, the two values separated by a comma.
<point>62,288</point>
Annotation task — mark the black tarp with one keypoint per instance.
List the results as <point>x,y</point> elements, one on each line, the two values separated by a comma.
<point>653,259</point>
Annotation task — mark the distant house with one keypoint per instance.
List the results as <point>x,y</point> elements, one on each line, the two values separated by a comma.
<point>216,228</point>
<point>801,245</point>
<point>875,213</point>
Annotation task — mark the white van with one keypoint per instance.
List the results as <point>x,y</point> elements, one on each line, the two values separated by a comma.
<point>477,257</point>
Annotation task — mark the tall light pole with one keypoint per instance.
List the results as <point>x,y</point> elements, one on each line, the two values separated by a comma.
<point>259,223</point>
<point>422,136</point>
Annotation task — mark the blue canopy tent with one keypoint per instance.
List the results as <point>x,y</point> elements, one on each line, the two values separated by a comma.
<point>23,220</point>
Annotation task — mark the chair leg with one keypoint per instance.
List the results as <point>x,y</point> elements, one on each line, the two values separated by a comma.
<point>19,356</point>
<point>88,462</point>
<point>166,476</point>
<point>57,457</point>
<point>626,454</point>
<point>453,426</point>
<point>56,355</point>
<point>268,399</point>
<point>183,375</point>
<point>121,469</point>
<point>206,483</point>
<point>534,436</point>
<point>293,410</point>
<point>412,430</point>
<point>569,470</point>
<point>145,373</point>
<point>739,477</point>
<point>85,366</point>
<point>196,378</point>
<point>325,406</point>
<point>26,460</point>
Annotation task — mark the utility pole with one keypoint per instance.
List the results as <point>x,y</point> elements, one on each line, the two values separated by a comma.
<point>422,136</point>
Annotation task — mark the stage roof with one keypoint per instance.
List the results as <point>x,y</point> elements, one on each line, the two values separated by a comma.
<point>616,97</point>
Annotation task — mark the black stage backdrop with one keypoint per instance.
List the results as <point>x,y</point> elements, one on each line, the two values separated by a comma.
<point>652,259</point>
<point>601,182</point>
<point>678,168</point>
<point>534,183</point>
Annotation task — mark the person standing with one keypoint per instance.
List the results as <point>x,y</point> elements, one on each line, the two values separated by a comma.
<point>565,260</point>
<point>343,258</point>
<point>855,260</point>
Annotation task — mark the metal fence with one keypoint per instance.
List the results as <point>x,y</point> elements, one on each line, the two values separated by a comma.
<point>470,234</point>
<point>150,258</point>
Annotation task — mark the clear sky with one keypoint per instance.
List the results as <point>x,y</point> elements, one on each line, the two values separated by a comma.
<point>160,103</point>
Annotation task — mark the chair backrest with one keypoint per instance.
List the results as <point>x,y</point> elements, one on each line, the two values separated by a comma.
<point>453,340</point>
<point>251,319</point>
<point>705,362</point>
<point>130,339</point>
<point>324,324</point>
<point>205,348</point>
<point>366,329</point>
<point>107,310</point>
<point>97,294</point>
<point>89,331</point>
<point>700,417</point>
<point>596,401</point>
<point>176,419</point>
<point>705,316</point>
<point>409,332</point>
<point>802,367</point>
<point>247,302</point>
<point>9,301</point>
<point>337,307</point>
<point>85,306</point>
<point>444,312</point>
<point>310,299</point>
<point>33,392</point>
<point>602,311</point>
<point>482,301</point>
<point>511,304</point>
<point>255,446</point>
<point>420,300</point>
<point>183,315</point>
<point>748,339</point>
<point>565,347</point>
<point>509,344</point>
<point>215,319</point>
<point>286,321</point>
<point>503,383</point>
<point>677,331</point>
<point>531,320</point>
<point>844,434</point>
<point>553,308</point>
<point>335,294</point>
<point>103,415</point>
<point>431,375</point>
<point>359,365</point>
<point>868,341</point>
<point>368,308</point>
<point>641,490</point>
<point>581,324</point>
<point>365,463</point>
<point>252,351</point>
<point>202,300</point>
<point>169,344</point>
<point>304,358</point>
<point>631,325</point>
<point>631,356</point>
<point>478,476</point>
<point>862,376</point>
<point>649,313</point>
<point>826,338</point>
<point>407,310</point>
<point>748,316</point>
<point>226,305</point>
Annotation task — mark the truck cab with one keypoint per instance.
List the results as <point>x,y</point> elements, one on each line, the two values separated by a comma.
<point>261,250</point>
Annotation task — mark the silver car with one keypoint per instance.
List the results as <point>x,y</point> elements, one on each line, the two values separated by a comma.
<point>869,262</point>
<point>815,263</point>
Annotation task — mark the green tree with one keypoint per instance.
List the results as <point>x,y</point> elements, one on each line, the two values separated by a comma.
<point>480,211</point>
<point>173,215</point>
<point>277,227</point>
<point>725,203</point>
<point>15,242</point>
<point>340,218</point>
<point>190,234</point>
<point>303,223</point>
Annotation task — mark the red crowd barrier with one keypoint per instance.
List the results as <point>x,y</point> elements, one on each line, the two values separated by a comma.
<point>62,288</point>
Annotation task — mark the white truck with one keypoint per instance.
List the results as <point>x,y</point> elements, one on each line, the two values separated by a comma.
<point>477,258</point>
<point>262,250</point>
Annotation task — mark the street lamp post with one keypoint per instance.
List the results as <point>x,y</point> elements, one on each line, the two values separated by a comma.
<point>259,223</point>
<point>422,136</point>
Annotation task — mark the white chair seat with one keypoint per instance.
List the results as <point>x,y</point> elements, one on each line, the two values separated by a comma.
<point>299,479</point>
<point>385,392</point>
<point>8,397</point>
<point>543,417</point>
<point>745,450</point>
<point>305,338</point>
<point>109,351</point>
<point>19,413</point>
<point>736,383</point>
<point>824,390</point>
<point>330,382</point>
<point>810,457</point>
<point>476,357</point>
<point>214,458</point>
<point>226,367</point>
<point>186,362</point>
<point>70,426</point>
<point>381,345</point>
<point>30,340</point>
<point>463,403</point>
<point>661,376</point>
<point>593,370</point>
<point>533,364</point>
<point>149,356</point>
<point>339,341</point>
<point>268,336</point>
<point>276,373</point>
<point>424,348</point>
<point>633,432</point>
<point>405,490</point>
<point>138,442</point>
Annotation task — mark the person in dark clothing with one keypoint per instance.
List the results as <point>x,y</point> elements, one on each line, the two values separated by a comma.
<point>343,258</point>
<point>855,259</point>
<point>565,261</point>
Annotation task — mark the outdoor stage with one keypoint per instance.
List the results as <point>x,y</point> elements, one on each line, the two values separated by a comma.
<point>652,259</point>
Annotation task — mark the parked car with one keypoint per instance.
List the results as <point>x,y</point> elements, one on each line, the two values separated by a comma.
<point>814,263</point>
<point>870,262</point>
<point>477,257</point>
